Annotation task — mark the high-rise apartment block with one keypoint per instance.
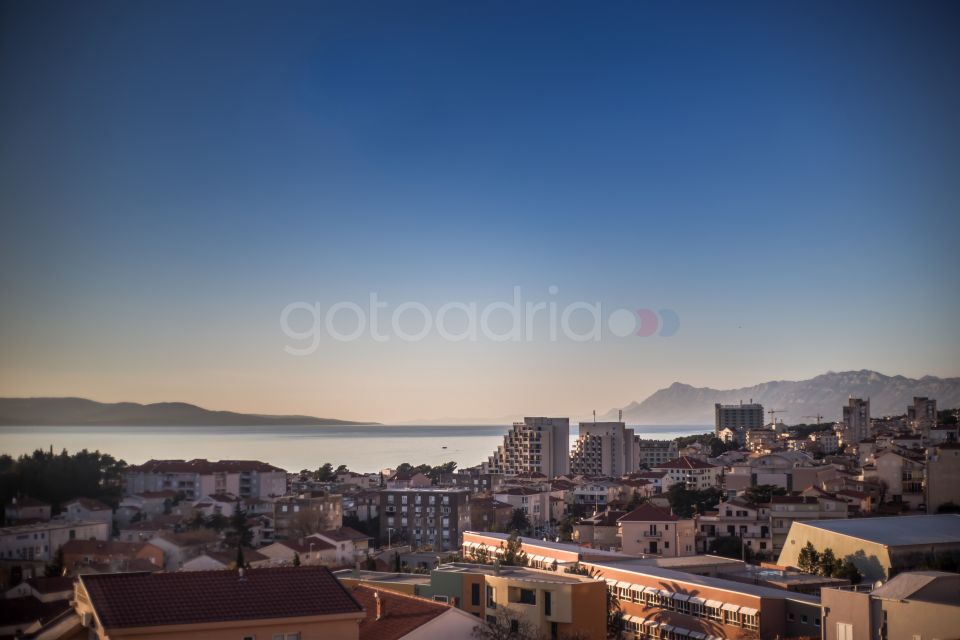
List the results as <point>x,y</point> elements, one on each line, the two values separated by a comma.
<point>739,418</point>
<point>856,420</point>
<point>603,449</point>
<point>536,445</point>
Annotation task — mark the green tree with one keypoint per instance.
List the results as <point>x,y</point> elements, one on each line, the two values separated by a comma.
<point>296,559</point>
<point>761,493</point>
<point>519,521</point>
<point>565,528</point>
<point>325,473</point>
<point>809,559</point>
<point>848,571</point>
<point>828,564</point>
<point>513,553</point>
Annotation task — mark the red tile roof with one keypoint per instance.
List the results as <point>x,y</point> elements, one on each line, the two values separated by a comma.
<point>647,512</point>
<point>125,600</point>
<point>343,534</point>
<point>90,504</point>
<point>402,614</point>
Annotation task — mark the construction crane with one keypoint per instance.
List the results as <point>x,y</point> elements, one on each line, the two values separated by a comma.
<point>818,417</point>
<point>773,415</point>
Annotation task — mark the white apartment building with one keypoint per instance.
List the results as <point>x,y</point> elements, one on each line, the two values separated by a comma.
<point>38,542</point>
<point>536,445</point>
<point>603,449</point>
<point>198,478</point>
<point>696,474</point>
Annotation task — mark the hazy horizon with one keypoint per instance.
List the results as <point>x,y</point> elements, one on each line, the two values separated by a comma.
<point>718,194</point>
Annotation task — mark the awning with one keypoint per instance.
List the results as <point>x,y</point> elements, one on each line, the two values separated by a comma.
<point>681,596</point>
<point>696,600</point>
<point>697,635</point>
<point>666,594</point>
<point>680,631</point>
<point>730,607</point>
<point>624,585</point>
<point>610,581</point>
<point>716,604</point>
<point>747,611</point>
<point>651,590</point>
<point>537,558</point>
<point>666,627</point>
<point>650,622</point>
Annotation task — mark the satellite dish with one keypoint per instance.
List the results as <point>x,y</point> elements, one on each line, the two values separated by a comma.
<point>878,584</point>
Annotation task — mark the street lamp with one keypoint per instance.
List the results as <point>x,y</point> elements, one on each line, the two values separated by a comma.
<point>390,530</point>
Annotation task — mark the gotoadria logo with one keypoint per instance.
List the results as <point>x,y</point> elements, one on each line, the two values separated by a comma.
<point>519,320</point>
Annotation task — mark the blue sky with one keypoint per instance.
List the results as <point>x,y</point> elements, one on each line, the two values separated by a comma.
<point>782,175</point>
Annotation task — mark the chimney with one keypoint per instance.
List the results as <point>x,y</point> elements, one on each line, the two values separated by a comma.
<point>379,601</point>
<point>240,571</point>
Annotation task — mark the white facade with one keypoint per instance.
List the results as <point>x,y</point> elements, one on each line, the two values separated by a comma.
<point>40,541</point>
<point>603,449</point>
<point>536,445</point>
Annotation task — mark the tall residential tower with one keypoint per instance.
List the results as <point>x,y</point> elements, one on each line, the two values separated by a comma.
<point>536,445</point>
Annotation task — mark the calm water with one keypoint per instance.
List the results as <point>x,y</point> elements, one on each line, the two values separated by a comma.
<point>367,448</point>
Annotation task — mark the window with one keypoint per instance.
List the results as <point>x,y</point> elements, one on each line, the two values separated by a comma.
<point>475,594</point>
<point>547,603</point>
<point>514,626</point>
<point>844,631</point>
<point>804,619</point>
<point>528,596</point>
<point>491,601</point>
<point>443,599</point>
<point>249,637</point>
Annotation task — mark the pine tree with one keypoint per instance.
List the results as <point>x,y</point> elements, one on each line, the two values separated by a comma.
<point>513,554</point>
<point>828,564</point>
<point>296,559</point>
<point>808,560</point>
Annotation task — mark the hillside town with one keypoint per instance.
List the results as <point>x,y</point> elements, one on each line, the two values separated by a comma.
<point>841,531</point>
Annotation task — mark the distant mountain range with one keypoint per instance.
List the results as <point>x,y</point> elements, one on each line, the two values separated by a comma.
<point>82,412</point>
<point>800,400</point>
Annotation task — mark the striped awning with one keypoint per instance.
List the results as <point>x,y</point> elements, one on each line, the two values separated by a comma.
<point>747,611</point>
<point>716,604</point>
<point>623,585</point>
<point>681,596</point>
<point>730,607</point>
<point>537,558</point>
<point>697,635</point>
<point>696,600</point>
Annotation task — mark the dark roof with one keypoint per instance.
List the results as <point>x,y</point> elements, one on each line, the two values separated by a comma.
<point>27,609</point>
<point>402,614</point>
<point>51,585</point>
<point>305,545</point>
<point>608,518</point>
<point>102,547</point>
<point>647,512</point>
<point>487,502</point>
<point>684,462</point>
<point>26,501</point>
<point>125,600</point>
<point>90,504</point>
<point>201,465</point>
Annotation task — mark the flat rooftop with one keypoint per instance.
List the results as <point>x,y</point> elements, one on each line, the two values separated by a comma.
<point>549,544</point>
<point>894,531</point>
<point>521,573</point>
<point>678,580</point>
<point>382,576</point>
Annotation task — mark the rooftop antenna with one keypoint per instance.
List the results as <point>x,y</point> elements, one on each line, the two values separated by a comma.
<point>594,416</point>
<point>620,418</point>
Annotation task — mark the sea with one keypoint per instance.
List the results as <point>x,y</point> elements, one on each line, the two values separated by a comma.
<point>362,448</point>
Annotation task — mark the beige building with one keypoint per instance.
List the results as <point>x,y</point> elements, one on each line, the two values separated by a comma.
<point>902,476</point>
<point>876,545</point>
<point>943,477</point>
<point>914,605</point>
<point>787,510</point>
<point>196,478</point>
<point>603,449</point>
<point>652,530</point>
<point>304,514</point>
<point>296,603</point>
<point>856,420</point>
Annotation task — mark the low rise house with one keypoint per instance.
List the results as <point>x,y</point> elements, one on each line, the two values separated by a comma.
<point>180,547</point>
<point>786,510</point>
<point>651,530</point>
<point>227,559</point>
<point>904,477</point>
<point>943,477</point>
<point>408,480</point>
<point>40,541</point>
<point>351,545</point>
<point>602,530</point>
<point>25,508</point>
<point>294,603</point>
<point>88,510</point>
<point>534,503</point>
<point>914,604</point>
<point>222,504</point>
<point>737,518</point>
<point>110,555</point>
<point>390,615</point>
<point>304,551</point>
<point>490,514</point>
